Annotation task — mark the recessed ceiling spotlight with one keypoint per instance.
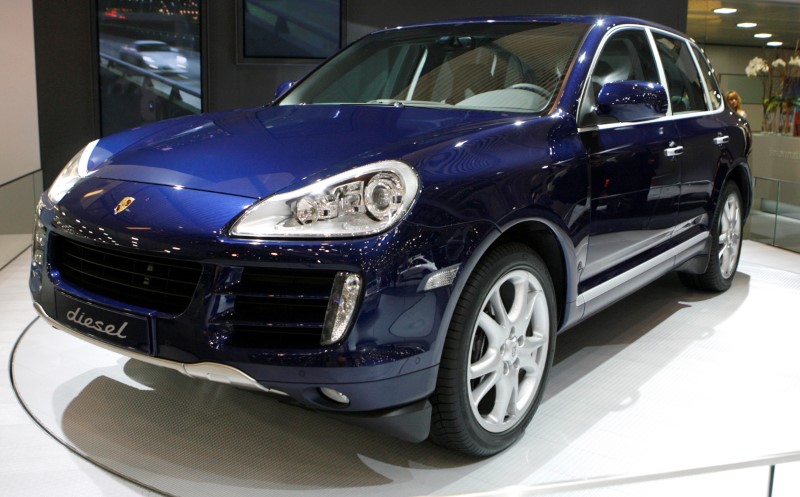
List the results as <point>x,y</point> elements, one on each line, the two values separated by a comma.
<point>762,35</point>
<point>724,10</point>
<point>774,43</point>
<point>746,25</point>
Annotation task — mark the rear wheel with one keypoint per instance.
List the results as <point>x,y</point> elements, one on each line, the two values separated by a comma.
<point>726,244</point>
<point>498,351</point>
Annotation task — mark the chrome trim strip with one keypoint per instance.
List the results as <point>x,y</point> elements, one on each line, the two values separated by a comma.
<point>220,373</point>
<point>632,273</point>
<point>674,117</point>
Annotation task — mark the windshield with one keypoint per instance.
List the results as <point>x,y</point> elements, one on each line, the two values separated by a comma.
<point>153,47</point>
<point>499,66</point>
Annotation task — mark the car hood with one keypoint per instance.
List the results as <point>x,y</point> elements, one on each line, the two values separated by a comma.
<point>258,152</point>
<point>162,57</point>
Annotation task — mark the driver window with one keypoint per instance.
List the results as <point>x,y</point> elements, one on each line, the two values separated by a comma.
<point>626,56</point>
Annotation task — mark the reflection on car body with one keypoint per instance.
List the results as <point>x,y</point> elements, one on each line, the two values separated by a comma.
<point>399,237</point>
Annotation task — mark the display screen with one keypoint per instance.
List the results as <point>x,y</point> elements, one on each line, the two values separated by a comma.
<point>278,28</point>
<point>149,61</point>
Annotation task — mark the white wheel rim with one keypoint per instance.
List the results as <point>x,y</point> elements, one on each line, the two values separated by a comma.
<point>508,351</point>
<point>730,235</point>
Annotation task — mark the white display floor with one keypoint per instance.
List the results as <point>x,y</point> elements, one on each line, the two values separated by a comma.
<point>666,379</point>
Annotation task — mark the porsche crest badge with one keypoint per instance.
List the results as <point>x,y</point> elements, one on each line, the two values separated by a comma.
<point>123,204</point>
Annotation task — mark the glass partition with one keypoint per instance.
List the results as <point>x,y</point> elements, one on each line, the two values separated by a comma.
<point>775,217</point>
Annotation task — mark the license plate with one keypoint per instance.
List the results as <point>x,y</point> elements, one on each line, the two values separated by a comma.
<point>117,328</point>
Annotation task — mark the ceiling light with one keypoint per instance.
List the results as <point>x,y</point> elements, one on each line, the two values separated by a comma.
<point>724,10</point>
<point>762,35</point>
<point>774,43</point>
<point>746,25</point>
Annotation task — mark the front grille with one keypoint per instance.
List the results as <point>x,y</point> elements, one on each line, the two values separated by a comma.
<point>274,308</point>
<point>156,283</point>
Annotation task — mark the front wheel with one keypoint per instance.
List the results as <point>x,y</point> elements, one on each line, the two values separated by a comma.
<point>497,353</point>
<point>726,244</point>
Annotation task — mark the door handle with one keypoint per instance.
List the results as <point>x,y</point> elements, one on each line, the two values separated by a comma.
<point>673,151</point>
<point>721,140</point>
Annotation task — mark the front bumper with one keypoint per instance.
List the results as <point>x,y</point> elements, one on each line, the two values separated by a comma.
<point>408,422</point>
<point>388,359</point>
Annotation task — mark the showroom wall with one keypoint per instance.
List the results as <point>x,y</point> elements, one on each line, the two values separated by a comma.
<point>19,135</point>
<point>66,59</point>
<point>729,65</point>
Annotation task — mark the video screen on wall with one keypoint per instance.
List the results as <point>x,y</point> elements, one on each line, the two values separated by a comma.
<point>149,61</point>
<point>278,28</point>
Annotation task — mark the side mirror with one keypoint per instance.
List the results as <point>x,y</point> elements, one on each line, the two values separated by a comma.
<point>632,101</point>
<point>283,88</point>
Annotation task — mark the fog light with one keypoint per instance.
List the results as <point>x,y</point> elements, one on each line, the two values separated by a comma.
<point>334,395</point>
<point>39,238</point>
<point>38,257</point>
<point>39,234</point>
<point>341,307</point>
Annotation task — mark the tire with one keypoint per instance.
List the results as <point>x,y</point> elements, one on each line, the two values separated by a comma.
<point>726,244</point>
<point>498,351</point>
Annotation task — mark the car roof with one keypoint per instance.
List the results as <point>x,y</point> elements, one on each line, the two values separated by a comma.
<point>596,20</point>
<point>148,42</point>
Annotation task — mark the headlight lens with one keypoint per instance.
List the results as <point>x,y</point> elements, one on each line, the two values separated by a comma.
<point>363,201</point>
<point>75,169</point>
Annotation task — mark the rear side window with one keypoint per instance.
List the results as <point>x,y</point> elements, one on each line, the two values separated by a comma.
<point>713,93</point>
<point>684,83</point>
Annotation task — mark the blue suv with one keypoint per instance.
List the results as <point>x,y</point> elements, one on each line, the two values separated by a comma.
<point>398,238</point>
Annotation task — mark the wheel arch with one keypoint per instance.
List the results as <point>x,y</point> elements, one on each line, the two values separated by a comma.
<point>543,236</point>
<point>543,240</point>
<point>739,173</point>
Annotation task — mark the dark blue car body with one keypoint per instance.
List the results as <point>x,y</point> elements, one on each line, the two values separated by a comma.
<point>605,208</point>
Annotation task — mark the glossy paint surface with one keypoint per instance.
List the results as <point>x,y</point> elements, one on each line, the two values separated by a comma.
<point>600,199</point>
<point>632,100</point>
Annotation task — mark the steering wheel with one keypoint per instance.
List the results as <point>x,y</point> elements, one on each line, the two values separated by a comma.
<point>542,92</point>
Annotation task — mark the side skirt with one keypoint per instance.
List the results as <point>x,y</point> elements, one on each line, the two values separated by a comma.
<point>622,285</point>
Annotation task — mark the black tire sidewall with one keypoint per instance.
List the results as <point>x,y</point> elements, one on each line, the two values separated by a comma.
<point>494,267</point>
<point>714,272</point>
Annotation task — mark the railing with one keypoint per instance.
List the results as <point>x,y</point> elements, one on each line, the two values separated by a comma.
<point>553,489</point>
<point>168,89</point>
<point>775,217</point>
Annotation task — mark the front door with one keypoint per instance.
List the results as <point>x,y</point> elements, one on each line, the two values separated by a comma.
<point>635,167</point>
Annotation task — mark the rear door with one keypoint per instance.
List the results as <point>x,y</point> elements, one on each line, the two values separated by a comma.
<point>698,111</point>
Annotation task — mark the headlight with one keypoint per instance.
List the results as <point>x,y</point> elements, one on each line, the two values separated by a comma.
<point>151,63</point>
<point>75,169</point>
<point>363,201</point>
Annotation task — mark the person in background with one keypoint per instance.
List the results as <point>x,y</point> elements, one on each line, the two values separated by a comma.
<point>735,101</point>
